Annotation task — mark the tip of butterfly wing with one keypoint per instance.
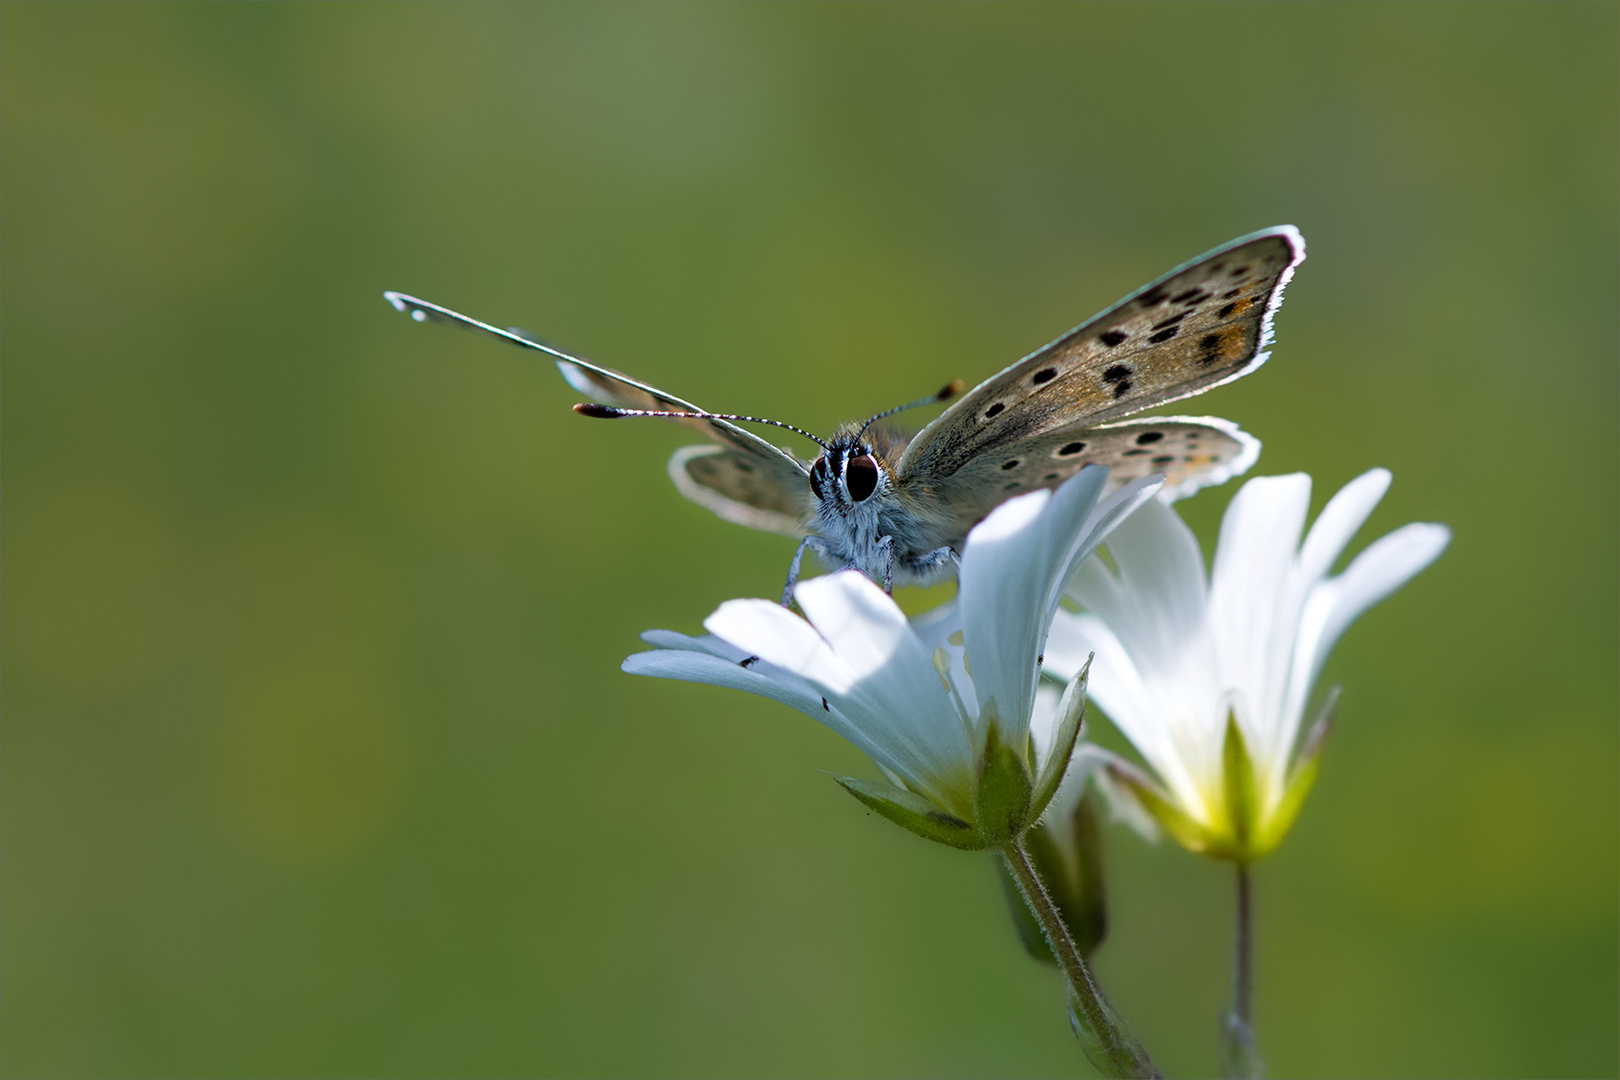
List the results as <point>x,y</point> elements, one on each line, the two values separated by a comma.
<point>409,305</point>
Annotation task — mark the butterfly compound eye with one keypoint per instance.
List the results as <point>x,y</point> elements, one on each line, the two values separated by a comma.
<point>818,477</point>
<point>861,477</point>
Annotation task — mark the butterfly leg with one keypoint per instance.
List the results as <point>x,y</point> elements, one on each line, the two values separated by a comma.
<point>886,545</point>
<point>815,543</point>
<point>937,558</point>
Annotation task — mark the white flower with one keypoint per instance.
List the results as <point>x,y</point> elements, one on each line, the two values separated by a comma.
<point>1180,660</point>
<point>921,701</point>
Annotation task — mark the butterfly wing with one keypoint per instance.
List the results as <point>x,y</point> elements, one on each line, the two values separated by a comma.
<point>1202,324</point>
<point>744,479</point>
<point>1190,452</point>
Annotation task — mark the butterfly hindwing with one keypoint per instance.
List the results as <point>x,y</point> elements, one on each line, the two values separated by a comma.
<point>736,487</point>
<point>1190,452</point>
<point>1204,323</point>
<point>744,480</point>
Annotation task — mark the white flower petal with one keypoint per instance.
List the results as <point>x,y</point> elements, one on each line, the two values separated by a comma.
<point>859,652</point>
<point>701,667</point>
<point>1167,677</point>
<point>1384,566</point>
<point>1156,602</point>
<point>1252,621</point>
<point>708,643</point>
<point>773,633</point>
<point>1339,520</point>
<point>1043,721</point>
<point>1172,740</point>
<point>1014,567</point>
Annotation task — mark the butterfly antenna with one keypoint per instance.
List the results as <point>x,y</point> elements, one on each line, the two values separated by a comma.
<point>610,412</point>
<point>945,393</point>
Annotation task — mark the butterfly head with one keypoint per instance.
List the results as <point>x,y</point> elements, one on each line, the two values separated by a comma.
<point>848,473</point>
<point>857,463</point>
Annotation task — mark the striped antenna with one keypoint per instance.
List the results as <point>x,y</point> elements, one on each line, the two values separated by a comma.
<point>611,412</point>
<point>945,393</point>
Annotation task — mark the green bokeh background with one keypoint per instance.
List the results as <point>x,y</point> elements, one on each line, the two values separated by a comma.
<point>316,755</point>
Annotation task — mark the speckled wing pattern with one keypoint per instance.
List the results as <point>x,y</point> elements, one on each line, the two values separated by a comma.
<point>744,479</point>
<point>1035,423</point>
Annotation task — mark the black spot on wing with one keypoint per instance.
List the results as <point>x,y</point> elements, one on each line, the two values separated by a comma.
<point>1149,437</point>
<point>1111,338</point>
<point>1010,464</point>
<point>1043,375</point>
<point>1164,459</point>
<point>1154,298</point>
<point>1070,449</point>
<point>1164,335</point>
<point>993,410</point>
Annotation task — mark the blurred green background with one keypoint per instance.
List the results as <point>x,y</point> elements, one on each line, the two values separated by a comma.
<point>316,755</point>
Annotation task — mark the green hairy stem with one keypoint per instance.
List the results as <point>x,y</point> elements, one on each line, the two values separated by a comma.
<point>1107,1042</point>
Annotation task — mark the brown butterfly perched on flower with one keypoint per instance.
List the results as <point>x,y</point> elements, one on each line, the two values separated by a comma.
<point>898,506</point>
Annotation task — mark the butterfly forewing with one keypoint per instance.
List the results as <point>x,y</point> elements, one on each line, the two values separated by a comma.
<point>1202,324</point>
<point>609,387</point>
<point>745,479</point>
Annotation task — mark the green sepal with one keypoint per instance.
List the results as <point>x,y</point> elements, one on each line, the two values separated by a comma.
<point>1237,788</point>
<point>1301,775</point>
<point>1152,798</point>
<point>911,811</point>
<point>1001,797</point>
<point>1071,718</point>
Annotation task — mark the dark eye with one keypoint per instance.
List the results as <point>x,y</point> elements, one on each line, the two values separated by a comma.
<point>860,477</point>
<point>818,478</point>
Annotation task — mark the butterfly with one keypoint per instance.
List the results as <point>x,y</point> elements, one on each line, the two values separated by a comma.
<point>898,506</point>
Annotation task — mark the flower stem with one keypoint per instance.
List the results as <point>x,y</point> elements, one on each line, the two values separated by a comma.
<point>1107,1042</point>
<point>1239,1057</point>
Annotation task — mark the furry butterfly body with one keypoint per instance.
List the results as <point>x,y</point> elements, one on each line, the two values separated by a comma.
<point>897,506</point>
